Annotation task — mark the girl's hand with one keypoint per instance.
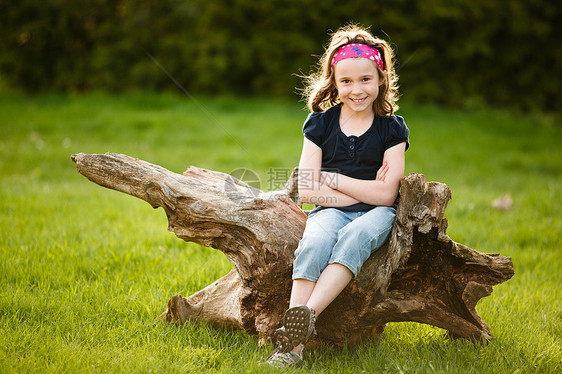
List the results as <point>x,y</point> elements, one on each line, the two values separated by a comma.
<point>381,173</point>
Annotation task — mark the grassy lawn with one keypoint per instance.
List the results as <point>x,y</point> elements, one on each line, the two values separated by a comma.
<point>84,270</point>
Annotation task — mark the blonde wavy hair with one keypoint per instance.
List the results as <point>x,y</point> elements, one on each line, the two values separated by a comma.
<point>320,92</point>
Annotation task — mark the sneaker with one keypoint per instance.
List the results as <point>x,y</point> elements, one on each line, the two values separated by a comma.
<point>280,359</point>
<point>298,326</point>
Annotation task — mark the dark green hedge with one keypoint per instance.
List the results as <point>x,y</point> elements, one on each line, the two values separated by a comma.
<point>451,52</point>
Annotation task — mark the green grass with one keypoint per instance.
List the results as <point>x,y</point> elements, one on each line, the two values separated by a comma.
<point>84,270</point>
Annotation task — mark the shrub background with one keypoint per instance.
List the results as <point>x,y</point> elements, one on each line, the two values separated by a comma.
<point>462,52</point>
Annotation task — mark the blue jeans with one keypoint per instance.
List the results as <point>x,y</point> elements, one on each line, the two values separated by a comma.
<point>347,238</point>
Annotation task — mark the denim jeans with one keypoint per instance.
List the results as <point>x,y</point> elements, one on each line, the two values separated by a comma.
<point>347,238</point>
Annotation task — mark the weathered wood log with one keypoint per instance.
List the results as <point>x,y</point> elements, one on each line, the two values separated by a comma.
<point>419,275</point>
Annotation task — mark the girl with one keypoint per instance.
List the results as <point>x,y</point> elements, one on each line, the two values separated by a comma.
<point>351,165</point>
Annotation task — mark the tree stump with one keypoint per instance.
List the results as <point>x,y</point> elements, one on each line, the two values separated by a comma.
<point>419,275</point>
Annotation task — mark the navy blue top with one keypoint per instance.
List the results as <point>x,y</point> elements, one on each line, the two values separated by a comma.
<point>358,157</point>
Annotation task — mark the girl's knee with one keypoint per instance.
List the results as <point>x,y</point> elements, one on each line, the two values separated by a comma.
<point>312,256</point>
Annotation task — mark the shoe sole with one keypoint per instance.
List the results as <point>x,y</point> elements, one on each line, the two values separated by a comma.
<point>296,328</point>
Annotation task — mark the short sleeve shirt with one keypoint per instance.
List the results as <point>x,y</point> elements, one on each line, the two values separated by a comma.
<point>358,157</point>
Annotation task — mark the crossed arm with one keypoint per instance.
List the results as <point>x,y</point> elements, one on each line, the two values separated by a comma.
<point>338,190</point>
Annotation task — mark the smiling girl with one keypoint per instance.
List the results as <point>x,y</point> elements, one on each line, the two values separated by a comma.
<point>351,164</point>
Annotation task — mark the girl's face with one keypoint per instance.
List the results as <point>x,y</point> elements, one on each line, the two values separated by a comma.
<point>357,82</point>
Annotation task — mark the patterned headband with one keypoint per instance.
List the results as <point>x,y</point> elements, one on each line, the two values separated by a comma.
<point>358,50</point>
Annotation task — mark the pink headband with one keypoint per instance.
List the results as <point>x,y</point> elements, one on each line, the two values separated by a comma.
<point>358,50</point>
